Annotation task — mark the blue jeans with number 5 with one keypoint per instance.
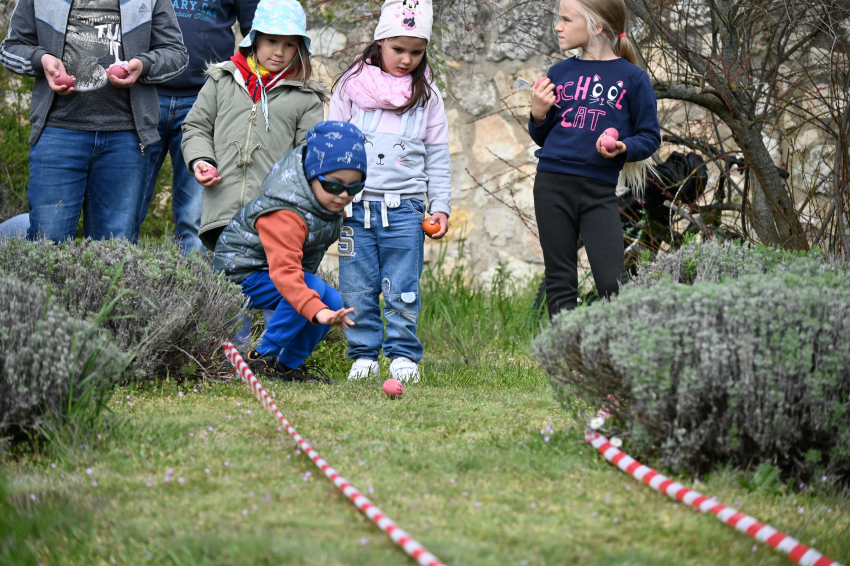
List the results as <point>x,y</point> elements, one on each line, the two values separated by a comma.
<point>375,259</point>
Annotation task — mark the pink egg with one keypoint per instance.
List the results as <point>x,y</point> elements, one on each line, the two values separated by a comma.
<point>211,172</point>
<point>538,81</point>
<point>65,80</point>
<point>609,143</point>
<point>393,388</point>
<point>613,133</point>
<point>118,72</point>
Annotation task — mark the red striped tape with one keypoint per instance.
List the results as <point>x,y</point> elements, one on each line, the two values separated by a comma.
<point>396,533</point>
<point>797,551</point>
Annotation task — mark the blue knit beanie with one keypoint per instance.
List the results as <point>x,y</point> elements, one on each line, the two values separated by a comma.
<point>332,146</point>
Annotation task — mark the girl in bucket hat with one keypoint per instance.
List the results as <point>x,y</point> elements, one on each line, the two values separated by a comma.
<point>226,145</point>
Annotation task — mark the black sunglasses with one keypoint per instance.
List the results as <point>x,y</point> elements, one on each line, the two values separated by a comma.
<point>336,188</point>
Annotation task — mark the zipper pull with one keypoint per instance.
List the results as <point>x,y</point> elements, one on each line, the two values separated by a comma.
<point>253,113</point>
<point>142,148</point>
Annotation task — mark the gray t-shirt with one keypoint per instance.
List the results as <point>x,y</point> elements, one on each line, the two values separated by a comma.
<point>92,45</point>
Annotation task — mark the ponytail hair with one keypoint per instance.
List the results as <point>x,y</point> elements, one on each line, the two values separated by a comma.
<point>612,15</point>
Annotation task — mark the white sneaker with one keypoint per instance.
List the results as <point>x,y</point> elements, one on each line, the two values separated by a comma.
<point>363,368</point>
<point>404,370</point>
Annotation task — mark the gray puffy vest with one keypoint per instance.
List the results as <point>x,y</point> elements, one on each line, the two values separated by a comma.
<point>239,252</point>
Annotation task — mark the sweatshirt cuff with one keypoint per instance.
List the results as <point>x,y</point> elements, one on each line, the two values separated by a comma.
<point>439,206</point>
<point>196,162</point>
<point>542,124</point>
<point>146,65</point>
<point>312,307</point>
<point>35,59</point>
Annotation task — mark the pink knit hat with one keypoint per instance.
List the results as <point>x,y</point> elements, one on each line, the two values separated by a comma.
<point>410,18</point>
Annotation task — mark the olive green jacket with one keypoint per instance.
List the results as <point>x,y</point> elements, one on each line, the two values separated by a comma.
<point>226,128</point>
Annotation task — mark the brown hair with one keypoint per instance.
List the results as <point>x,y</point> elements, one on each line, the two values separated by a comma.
<point>302,69</point>
<point>420,92</point>
<point>612,16</point>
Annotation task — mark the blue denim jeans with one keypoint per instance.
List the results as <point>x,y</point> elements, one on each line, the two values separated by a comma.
<point>101,174</point>
<point>383,260</point>
<point>288,334</point>
<point>186,192</point>
<point>15,227</point>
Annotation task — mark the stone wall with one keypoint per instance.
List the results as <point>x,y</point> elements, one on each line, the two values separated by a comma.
<point>492,154</point>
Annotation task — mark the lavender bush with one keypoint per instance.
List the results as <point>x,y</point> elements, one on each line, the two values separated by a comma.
<point>751,369</point>
<point>49,361</point>
<point>171,311</point>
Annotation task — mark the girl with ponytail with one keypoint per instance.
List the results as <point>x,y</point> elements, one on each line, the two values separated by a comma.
<point>602,91</point>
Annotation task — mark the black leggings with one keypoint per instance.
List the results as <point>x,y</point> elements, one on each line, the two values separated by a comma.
<point>569,205</point>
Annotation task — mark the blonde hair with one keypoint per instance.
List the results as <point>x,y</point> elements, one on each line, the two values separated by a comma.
<point>612,15</point>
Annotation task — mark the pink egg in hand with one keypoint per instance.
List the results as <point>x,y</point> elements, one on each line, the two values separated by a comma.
<point>613,133</point>
<point>210,172</point>
<point>118,71</point>
<point>393,388</point>
<point>65,80</point>
<point>609,143</point>
<point>538,81</point>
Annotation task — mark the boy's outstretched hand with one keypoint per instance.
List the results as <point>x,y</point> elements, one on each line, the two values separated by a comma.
<point>53,67</point>
<point>335,318</point>
<point>441,219</point>
<point>134,67</point>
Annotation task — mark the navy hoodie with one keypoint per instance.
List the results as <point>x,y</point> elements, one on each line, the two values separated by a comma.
<point>595,96</point>
<point>207,27</point>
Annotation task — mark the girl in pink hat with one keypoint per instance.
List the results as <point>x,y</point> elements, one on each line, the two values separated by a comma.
<point>388,93</point>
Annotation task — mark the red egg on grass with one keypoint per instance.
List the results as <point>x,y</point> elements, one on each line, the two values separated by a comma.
<point>429,228</point>
<point>393,388</point>
<point>613,133</point>
<point>65,80</point>
<point>609,143</point>
<point>118,71</point>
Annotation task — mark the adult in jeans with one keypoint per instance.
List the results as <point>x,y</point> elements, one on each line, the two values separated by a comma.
<point>208,34</point>
<point>88,139</point>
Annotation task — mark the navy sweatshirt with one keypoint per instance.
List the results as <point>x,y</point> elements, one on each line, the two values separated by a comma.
<point>207,27</point>
<point>595,96</point>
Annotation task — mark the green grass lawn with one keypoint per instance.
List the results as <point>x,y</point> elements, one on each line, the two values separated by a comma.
<point>459,462</point>
<point>478,462</point>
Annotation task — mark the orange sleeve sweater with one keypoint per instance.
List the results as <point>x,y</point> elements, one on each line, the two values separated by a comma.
<point>283,234</point>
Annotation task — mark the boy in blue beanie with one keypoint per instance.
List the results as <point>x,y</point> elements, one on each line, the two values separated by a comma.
<point>274,245</point>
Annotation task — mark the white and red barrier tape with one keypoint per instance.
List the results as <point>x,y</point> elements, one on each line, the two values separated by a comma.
<point>796,551</point>
<point>396,533</point>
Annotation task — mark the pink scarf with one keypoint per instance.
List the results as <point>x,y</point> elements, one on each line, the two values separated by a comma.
<point>372,88</point>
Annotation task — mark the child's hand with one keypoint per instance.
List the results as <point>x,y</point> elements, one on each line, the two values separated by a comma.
<point>54,67</point>
<point>334,318</point>
<point>441,219</point>
<point>134,67</point>
<point>206,174</point>
<point>542,100</point>
<point>621,148</point>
